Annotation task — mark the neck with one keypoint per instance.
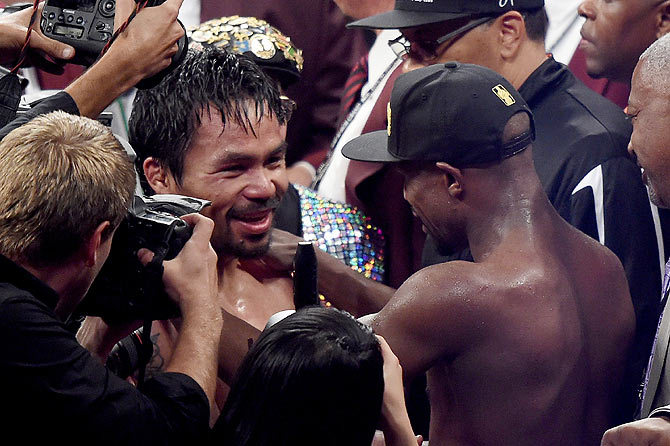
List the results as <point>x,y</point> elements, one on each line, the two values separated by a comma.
<point>526,61</point>
<point>507,207</point>
<point>63,280</point>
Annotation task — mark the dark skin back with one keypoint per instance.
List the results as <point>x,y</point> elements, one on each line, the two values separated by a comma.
<point>525,346</point>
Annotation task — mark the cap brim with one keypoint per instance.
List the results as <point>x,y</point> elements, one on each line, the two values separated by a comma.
<point>397,19</point>
<point>370,147</point>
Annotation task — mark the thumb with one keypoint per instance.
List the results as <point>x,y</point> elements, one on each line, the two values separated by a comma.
<point>53,48</point>
<point>145,256</point>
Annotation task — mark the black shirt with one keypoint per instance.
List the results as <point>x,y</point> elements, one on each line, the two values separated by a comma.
<point>55,390</point>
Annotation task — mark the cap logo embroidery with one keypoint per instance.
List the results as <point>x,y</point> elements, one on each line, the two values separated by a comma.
<point>388,116</point>
<point>503,3</point>
<point>504,95</point>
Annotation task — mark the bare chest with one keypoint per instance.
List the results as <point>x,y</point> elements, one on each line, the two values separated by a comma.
<point>255,299</point>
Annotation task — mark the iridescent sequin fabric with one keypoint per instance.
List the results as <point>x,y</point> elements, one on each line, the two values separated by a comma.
<point>344,231</point>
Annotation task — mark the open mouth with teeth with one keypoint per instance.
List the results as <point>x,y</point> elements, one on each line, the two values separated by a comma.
<point>258,222</point>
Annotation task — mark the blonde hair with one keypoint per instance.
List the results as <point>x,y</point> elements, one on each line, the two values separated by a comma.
<point>60,177</point>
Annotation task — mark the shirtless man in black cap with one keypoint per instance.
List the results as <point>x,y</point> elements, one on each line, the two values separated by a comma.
<point>527,343</point>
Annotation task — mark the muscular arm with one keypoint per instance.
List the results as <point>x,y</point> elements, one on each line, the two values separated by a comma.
<point>345,288</point>
<point>653,431</point>
<point>427,320</point>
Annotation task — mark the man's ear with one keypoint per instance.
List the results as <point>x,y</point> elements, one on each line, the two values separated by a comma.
<point>663,20</point>
<point>158,177</point>
<point>511,33</point>
<point>91,249</point>
<point>453,179</point>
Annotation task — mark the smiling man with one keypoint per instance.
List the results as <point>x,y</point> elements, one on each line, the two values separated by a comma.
<point>215,129</point>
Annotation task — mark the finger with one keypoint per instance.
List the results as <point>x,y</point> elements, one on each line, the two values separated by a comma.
<point>174,3</point>
<point>145,256</point>
<point>51,47</point>
<point>202,226</point>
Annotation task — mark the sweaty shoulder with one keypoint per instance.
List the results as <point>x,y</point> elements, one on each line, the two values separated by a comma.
<point>434,315</point>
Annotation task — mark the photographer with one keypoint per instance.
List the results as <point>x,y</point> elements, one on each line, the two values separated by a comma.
<point>65,185</point>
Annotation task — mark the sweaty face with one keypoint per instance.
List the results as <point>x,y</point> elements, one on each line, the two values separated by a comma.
<point>471,46</point>
<point>649,107</point>
<point>424,191</point>
<point>244,176</point>
<point>614,35</point>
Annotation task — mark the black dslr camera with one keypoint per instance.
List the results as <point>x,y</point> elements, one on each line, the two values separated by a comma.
<point>125,290</point>
<point>88,25</point>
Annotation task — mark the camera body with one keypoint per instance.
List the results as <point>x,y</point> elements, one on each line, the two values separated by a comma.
<point>125,290</point>
<point>87,25</point>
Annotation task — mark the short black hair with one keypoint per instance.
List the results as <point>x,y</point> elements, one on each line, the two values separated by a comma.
<point>537,23</point>
<point>315,376</point>
<point>165,118</point>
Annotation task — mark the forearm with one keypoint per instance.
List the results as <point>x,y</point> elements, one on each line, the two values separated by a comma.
<point>349,290</point>
<point>398,429</point>
<point>196,351</point>
<point>101,84</point>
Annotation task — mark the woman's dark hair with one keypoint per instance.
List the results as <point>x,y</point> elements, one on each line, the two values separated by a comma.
<point>315,377</point>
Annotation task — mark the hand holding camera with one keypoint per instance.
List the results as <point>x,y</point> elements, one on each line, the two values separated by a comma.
<point>45,51</point>
<point>190,279</point>
<point>150,41</point>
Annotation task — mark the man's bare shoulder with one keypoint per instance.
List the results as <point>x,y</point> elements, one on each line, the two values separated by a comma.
<point>440,312</point>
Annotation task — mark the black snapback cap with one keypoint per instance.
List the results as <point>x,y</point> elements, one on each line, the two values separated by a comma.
<point>411,13</point>
<point>452,112</point>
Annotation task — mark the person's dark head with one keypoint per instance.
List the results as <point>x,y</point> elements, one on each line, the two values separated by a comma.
<point>315,377</point>
<point>444,120</point>
<point>215,129</point>
<point>258,40</point>
<point>616,32</point>
<point>649,107</point>
<point>483,32</point>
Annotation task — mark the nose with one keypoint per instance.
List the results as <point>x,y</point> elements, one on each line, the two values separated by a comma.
<point>586,10</point>
<point>261,185</point>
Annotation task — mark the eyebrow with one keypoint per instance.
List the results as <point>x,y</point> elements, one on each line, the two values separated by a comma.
<point>233,157</point>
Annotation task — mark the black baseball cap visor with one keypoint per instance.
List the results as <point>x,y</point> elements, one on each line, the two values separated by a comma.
<point>398,19</point>
<point>371,147</point>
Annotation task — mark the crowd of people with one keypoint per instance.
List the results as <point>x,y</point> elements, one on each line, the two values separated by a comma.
<point>490,230</point>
